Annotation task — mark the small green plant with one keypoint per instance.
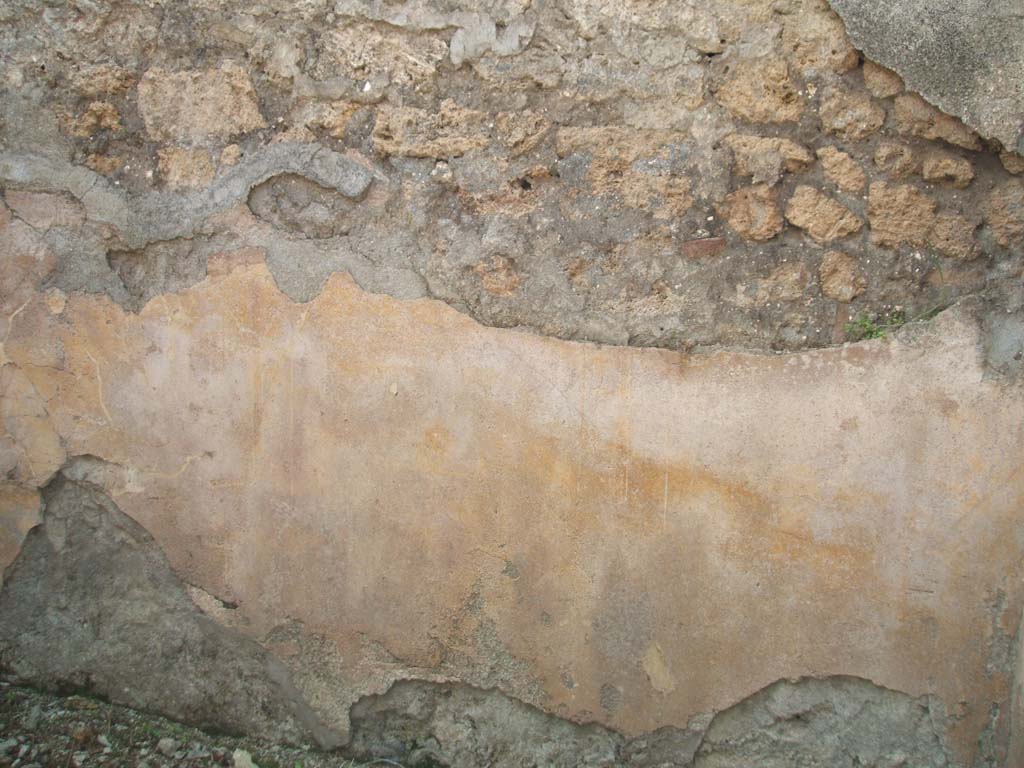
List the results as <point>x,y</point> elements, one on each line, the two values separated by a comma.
<point>874,326</point>
<point>147,729</point>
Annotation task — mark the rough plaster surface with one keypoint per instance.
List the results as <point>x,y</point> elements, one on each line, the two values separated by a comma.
<point>255,309</point>
<point>964,56</point>
<point>627,536</point>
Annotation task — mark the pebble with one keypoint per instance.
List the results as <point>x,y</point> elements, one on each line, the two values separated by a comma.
<point>132,743</point>
<point>243,759</point>
<point>197,752</point>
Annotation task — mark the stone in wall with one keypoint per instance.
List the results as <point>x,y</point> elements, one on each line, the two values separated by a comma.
<point>916,117</point>
<point>820,216</point>
<point>450,132</point>
<point>761,91</point>
<point>192,105</point>
<point>185,168</point>
<point>753,212</point>
<point>899,213</point>
<point>1004,212</point>
<point>841,277</point>
<point>1012,162</point>
<point>953,235</point>
<point>898,160</point>
<point>850,116</point>
<point>766,159</point>
<point>842,170</point>
<point>880,81</point>
<point>947,168</point>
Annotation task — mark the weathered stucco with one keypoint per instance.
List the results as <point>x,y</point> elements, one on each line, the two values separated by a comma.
<point>385,368</point>
<point>386,489</point>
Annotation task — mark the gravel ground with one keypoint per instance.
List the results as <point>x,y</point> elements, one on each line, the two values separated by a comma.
<point>41,730</point>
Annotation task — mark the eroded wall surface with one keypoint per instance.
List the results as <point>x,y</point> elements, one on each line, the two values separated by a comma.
<point>451,382</point>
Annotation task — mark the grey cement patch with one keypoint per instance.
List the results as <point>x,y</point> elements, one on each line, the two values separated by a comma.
<point>163,267</point>
<point>964,56</point>
<point>1004,346</point>
<point>154,216</point>
<point>92,605</point>
<point>839,722</point>
<point>302,206</point>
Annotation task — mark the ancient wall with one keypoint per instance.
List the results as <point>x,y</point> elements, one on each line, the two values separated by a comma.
<point>562,383</point>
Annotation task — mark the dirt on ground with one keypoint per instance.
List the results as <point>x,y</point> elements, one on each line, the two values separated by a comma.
<point>44,730</point>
